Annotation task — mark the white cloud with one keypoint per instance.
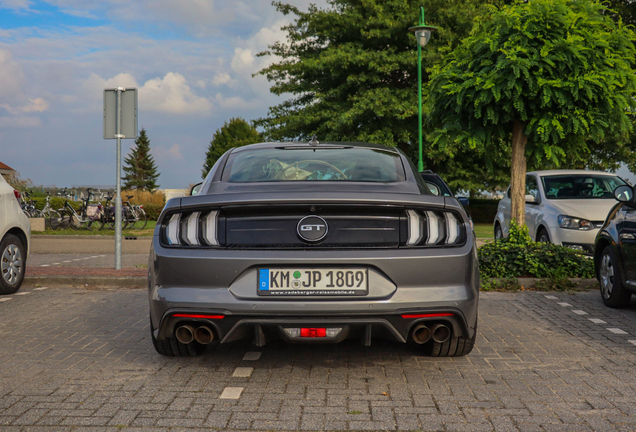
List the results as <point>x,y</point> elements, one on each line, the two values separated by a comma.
<point>221,78</point>
<point>14,4</point>
<point>172,95</point>
<point>20,122</point>
<point>167,154</point>
<point>12,95</point>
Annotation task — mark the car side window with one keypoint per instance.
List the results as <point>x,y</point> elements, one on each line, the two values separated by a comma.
<point>508,192</point>
<point>433,188</point>
<point>532,188</point>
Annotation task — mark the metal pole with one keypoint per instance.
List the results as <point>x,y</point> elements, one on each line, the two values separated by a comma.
<point>420,163</point>
<point>118,199</point>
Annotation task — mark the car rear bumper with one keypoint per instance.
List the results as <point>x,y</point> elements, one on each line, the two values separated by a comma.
<point>402,282</point>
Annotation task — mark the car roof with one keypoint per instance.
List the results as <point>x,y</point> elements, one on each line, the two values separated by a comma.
<point>561,172</point>
<point>323,144</point>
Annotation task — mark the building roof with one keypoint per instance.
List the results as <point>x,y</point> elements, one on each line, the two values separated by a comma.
<point>5,167</point>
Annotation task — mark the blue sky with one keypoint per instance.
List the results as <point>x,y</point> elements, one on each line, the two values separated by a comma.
<point>192,61</point>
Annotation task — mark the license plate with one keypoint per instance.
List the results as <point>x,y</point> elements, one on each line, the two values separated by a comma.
<point>313,281</point>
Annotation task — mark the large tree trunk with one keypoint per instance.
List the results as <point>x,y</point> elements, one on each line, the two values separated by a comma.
<point>518,173</point>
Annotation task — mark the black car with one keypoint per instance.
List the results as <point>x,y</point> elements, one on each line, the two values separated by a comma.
<point>615,251</point>
<point>438,186</point>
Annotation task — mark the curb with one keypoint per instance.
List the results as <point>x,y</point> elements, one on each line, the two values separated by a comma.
<point>530,282</point>
<point>111,281</point>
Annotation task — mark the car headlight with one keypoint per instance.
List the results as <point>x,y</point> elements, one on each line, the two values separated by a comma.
<point>569,222</point>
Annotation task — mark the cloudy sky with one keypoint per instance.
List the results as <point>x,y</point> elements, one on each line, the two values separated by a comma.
<point>191,60</point>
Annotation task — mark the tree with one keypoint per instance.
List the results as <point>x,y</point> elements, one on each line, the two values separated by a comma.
<point>139,166</point>
<point>234,133</point>
<point>352,71</point>
<point>553,75</point>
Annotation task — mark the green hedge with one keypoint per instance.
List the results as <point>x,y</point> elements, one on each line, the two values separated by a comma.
<point>519,256</point>
<point>483,211</point>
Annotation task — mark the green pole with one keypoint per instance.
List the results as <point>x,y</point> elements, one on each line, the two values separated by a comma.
<point>420,163</point>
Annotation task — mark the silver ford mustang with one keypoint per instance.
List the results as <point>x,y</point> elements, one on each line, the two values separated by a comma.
<point>313,242</point>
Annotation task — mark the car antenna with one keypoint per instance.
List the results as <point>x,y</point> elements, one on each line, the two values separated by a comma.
<point>314,141</point>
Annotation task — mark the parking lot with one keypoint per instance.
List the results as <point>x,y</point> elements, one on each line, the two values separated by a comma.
<point>81,358</point>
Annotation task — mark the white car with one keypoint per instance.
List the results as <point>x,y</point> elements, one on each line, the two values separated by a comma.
<point>15,235</point>
<point>565,207</point>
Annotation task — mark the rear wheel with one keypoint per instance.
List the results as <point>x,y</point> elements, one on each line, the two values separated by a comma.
<point>498,232</point>
<point>613,292</point>
<point>173,348</point>
<point>141,223</point>
<point>453,347</point>
<point>12,264</point>
<point>53,219</point>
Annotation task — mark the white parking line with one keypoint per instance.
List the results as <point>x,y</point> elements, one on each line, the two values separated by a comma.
<point>231,393</point>
<point>94,256</point>
<point>65,261</point>
<point>45,265</point>
<point>633,342</point>
<point>23,293</point>
<point>617,330</point>
<point>564,304</point>
<point>551,297</point>
<point>40,289</point>
<point>252,355</point>
<point>77,259</point>
<point>5,299</point>
<point>87,258</point>
<point>55,264</point>
<point>597,321</point>
<point>579,312</point>
<point>243,372</point>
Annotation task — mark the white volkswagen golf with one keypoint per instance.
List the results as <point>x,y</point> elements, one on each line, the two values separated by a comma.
<point>565,207</point>
<point>15,234</point>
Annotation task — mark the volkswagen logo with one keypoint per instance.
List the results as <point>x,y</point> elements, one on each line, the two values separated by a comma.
<point>312,229</point>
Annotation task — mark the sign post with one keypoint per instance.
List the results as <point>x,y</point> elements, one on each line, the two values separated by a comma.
<point>120,121</point>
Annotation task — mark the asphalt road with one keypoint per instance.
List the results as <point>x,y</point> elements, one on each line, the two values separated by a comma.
<point>81,359</point>
<point>92,245</point>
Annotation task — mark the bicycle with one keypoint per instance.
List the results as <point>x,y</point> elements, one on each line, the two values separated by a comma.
<point>107,214</point>
<point>28,207</point>
<point>48,213</point>
<point>70,217</point>
<point>134,215</point>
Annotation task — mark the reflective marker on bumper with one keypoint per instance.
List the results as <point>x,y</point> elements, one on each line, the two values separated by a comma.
<point>429,315</point>
<point>199,316</point>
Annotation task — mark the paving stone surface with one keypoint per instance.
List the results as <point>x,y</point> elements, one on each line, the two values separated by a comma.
<point>75,359</point>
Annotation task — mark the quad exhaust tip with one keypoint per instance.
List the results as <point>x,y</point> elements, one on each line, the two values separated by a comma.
<point>204,335</point>
<point>187,334</point>
<point>440,333</point>
<point>421,334</point>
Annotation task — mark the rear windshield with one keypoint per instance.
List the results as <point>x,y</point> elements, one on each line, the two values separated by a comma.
<point>314,164</point>
<point>581,186</point>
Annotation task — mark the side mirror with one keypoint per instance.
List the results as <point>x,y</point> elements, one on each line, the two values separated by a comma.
<point>624,194</point>
<point>530,199</point>
<point>195,189</point>
<point>463,201</point>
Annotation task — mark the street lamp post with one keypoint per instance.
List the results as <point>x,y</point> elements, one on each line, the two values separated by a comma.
<point>422,35</point>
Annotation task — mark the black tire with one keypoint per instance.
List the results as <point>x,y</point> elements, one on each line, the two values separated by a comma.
<point>453,347</point>
<point>610,279</point>
<point>141,223</point>
<point>53,219</point>
<point>64,221</point>
<point>543,236</point>
<point>12,256</point>
<point>498,232</point>
<point>171,347</point>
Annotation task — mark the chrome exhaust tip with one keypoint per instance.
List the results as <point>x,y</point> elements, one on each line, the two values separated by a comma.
<point>184,334</point>
<point>440,332</point>
<point>421,334</point>
<point>204,335</point>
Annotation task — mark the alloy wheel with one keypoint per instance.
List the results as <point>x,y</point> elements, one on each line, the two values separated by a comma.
<point>607,276</point>
<point>11,265</point>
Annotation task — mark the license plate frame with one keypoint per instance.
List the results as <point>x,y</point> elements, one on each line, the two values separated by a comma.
<point>268,276</point>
